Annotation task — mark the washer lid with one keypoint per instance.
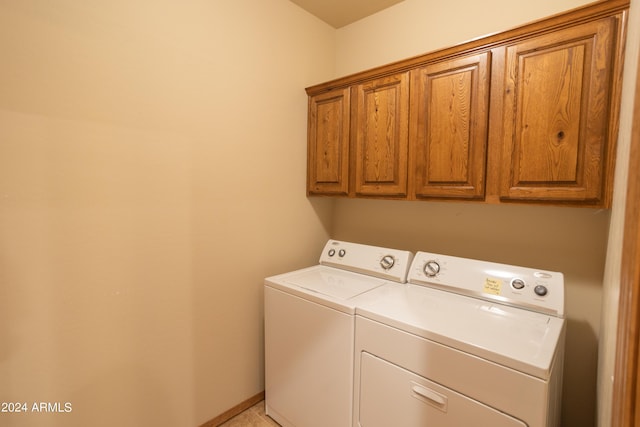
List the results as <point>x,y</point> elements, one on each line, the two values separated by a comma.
<point>325,285</point>
<point>333,282</point>
<point>519,339</point>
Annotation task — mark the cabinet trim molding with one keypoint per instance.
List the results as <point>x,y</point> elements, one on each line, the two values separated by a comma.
<point>590,12</point>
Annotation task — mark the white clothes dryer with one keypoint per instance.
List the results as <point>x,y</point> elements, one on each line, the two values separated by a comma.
<point>464,343</point>
<point>309,332</point>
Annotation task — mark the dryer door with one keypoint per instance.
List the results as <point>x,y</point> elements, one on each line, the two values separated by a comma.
<point>391,395</point>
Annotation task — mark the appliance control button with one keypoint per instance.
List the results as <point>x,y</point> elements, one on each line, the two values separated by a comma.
<point>332,252</point>
<point>431,268</point>
<point>387,262</point>
<point>540,290</point>
<point>517,284</point>
<point>341,253</point>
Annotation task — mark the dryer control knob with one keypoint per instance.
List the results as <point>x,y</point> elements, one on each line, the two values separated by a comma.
<point>517,284</point>
<point>387,262</point>
<point>540,290</point>
<point>431,268</point>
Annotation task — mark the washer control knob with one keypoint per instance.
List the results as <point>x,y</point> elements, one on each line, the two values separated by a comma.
<point>332,252</point>
<point>431,268</point>
<point>517,284</point>
<point>387,262</point>
<point>540,290</point>
<point>341,253</point>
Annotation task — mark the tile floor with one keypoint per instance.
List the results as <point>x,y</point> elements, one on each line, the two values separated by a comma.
<point>252,417</point>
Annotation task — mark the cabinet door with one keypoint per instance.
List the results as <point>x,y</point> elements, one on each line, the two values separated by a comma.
<point>380,132</point>
<point>328,143</point>
<point>556,111</point>
<point>449,106</point>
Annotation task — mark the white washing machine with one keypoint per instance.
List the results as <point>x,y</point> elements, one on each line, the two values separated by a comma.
<point>309,332</point>
<point>464,343</point>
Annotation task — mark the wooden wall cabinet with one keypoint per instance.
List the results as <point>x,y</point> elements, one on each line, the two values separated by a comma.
<point>555,115</point>
<point>450,113</point>
<point>528,115</point>
<point>328,143</point>
<point>381,136</point>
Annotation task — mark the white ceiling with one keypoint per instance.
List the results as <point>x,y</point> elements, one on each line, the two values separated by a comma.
<point>339,13</point>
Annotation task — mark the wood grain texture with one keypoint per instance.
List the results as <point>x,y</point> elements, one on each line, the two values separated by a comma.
<point>590,12</point>
<point>328,143</point>
<point>531,117</point>
<point>448,130</point>
<point>556,114</point>
<point>380,135</point>
<point>626,386</point>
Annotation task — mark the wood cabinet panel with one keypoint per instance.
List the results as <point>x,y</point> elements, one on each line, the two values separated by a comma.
<point>528,115</point>
<point>328,143</point>
<point>380,129</point>
<point>449,106</point>
<point>556,114</point>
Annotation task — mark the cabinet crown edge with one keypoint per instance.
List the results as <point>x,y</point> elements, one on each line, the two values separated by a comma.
<point>586,13</point>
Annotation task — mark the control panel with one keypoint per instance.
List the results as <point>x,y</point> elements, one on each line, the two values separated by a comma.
<point>536,290</point>
<point>376,261</point>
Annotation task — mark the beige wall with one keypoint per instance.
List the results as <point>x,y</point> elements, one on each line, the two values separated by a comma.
<point>413,27</point>
<point>570,240</point>
<point>145,145</point>
<point>146,148</point>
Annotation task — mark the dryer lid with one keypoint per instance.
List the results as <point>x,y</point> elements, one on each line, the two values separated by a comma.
<point>519,339</point>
